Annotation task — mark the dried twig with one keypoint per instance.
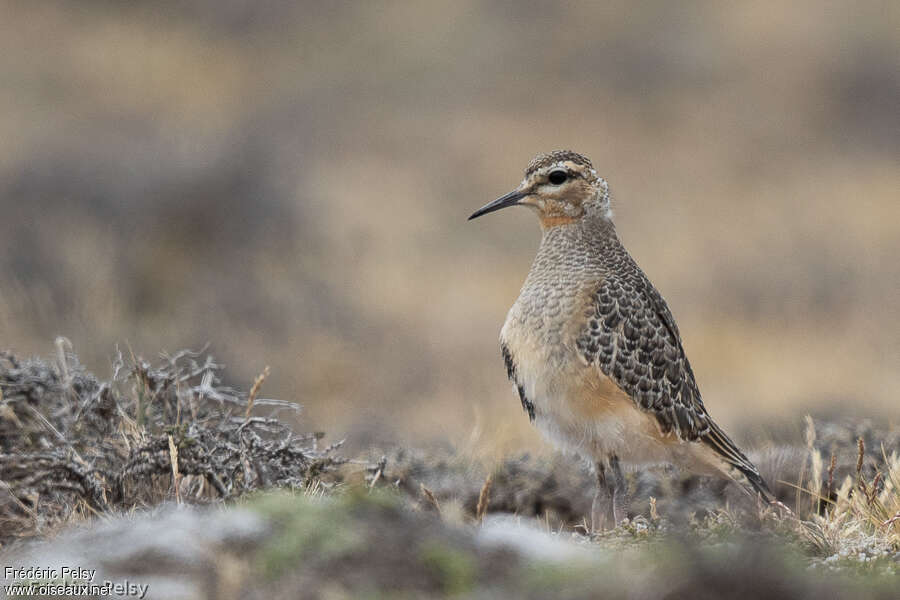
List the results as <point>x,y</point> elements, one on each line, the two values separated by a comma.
<point>830,489</point>
<point>173,460</point>
<point>254,390</point>
<point>379,471</point>
<point>892,520</point>
<point>430,497</point>
<point>484,498</point>
<point>861,454</point>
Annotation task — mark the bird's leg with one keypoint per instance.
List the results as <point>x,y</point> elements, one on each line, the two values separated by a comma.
<point>601,503</point>
<point>618,491</point>
<point>610,505</point>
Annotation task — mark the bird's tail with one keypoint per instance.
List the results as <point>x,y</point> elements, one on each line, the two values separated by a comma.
<point>735,460</point>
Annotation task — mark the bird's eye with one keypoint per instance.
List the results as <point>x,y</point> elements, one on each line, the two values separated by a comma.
<point>557,177</point>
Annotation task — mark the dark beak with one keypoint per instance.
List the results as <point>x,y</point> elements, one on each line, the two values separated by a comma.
<point>511,199</point>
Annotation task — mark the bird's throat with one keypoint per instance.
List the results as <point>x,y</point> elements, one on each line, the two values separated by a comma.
<point>556,220</point>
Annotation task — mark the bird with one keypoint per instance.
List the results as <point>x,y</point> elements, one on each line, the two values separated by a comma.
<point>593,350</point>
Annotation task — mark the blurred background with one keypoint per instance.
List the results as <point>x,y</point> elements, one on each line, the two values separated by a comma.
<point>290,181</point>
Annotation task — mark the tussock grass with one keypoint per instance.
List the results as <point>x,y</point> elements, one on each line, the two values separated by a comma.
<point>858,519</point>
<point>72,446</point>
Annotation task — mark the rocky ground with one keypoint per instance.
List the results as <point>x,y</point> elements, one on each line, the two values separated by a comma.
<point>164,478</point>
<point>372,545</point>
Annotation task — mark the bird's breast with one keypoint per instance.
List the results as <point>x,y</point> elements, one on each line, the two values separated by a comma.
<point>575,405</point>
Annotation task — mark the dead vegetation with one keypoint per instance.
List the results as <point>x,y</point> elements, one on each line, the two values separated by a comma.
<point>71,445</point>
<point>856,518</point>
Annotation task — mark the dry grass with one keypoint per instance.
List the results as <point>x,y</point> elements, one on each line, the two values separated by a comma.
<point>73,447</point>
<point>840,513</point>
<point>858,519</point>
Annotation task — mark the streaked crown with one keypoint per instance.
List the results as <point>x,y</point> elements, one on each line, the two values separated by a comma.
<point>557,157</point>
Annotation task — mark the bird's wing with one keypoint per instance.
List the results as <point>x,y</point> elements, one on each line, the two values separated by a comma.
<point>632,338</point>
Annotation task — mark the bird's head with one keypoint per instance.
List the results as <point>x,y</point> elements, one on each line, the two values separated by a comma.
<point>561,186</point>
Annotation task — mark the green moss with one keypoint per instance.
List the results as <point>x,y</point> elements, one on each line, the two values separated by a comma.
<point>304,529</point>
<point>554,576</point>
<point>379,499</point>
<point>315,528</point>
<point>455,569</point>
